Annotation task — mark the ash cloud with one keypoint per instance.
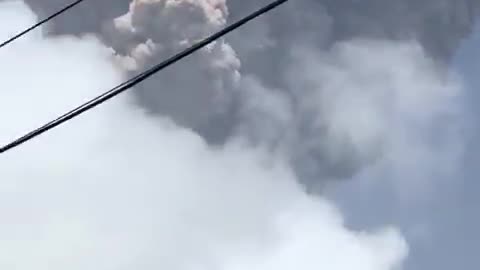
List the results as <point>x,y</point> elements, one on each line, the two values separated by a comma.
<point>121,189</point>
<point>197,89</point>
<point>313,92</point>
<point>214,92</point>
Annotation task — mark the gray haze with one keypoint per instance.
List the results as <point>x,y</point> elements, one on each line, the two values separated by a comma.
<point>212,91</point>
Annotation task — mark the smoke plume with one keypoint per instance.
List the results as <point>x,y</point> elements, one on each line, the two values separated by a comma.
<point>119,188</point>
<point>232,87</point>
<point>197,89</point>
<point>206,165</point>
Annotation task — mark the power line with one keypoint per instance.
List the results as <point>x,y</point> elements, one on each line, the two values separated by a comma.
<point>139,78</point>
<point>40,23</point>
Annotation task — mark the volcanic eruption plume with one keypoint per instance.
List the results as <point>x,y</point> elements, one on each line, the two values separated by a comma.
<point>205,165</point>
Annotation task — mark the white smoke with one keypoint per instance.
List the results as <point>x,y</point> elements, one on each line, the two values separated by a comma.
<point>119,189</point>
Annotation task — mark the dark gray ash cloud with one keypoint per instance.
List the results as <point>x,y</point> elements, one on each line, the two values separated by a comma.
<point>211,92</point>
<point>322,90</point>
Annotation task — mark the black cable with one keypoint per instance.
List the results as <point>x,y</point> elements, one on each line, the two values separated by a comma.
<point>40,23</point>
<point>138,79</point>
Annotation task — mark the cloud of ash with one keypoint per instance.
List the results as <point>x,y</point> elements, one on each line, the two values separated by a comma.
<point>361,103</point>
<point>291,81</point>
<point>197,89</point>
<point>119,188</point>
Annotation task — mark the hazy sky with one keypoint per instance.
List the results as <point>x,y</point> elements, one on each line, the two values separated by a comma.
<point>443,232</point>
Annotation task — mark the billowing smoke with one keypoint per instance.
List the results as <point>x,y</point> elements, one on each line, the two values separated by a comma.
<point>358,102</point>
<point>119,188</point>
<point>230,89</point>
<point>199,88</point>
<point>200,166</point>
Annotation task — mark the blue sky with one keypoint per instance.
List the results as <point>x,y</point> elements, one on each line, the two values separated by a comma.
<point>467,63</point>
<point>443,232</point>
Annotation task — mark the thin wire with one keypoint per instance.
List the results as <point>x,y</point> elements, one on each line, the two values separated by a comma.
<point>40,23</point>
<point>139,78</point>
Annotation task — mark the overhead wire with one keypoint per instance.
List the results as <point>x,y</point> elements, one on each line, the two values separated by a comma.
<point>139,78</point>
<point>40,23</point>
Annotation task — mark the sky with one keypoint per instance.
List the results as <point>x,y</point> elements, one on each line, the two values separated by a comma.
<point>447,236</point>
<point>348,148</point>
<point>468,64</point>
